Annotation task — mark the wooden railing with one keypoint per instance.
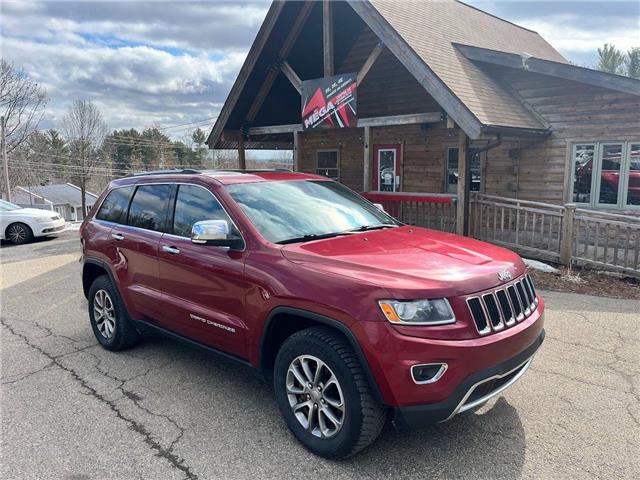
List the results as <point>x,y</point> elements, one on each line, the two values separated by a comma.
<point>531,228</point>
<point>606,240</point>
<point>429,210</point>
<point>561,233</point>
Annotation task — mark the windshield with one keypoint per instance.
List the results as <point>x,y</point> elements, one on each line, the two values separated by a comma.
<point>7,206</point>
<point>289,211</point>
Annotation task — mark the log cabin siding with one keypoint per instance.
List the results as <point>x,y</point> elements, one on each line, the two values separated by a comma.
<point>388,88</point>
<point>576,112</point>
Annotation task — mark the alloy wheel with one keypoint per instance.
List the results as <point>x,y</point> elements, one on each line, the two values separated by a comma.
<point>104,314</point>
<point>17,233</point>
<point>315,396</point>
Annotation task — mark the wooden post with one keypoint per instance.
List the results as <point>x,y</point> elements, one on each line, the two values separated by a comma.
<point>327,37</point>
<point>367,159</point>
<point>463,185</point>
<point>242,163</point>
<point>296,151</point>
<point>566,241</point>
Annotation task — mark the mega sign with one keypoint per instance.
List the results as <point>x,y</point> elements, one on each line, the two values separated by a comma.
<point>329,102</point>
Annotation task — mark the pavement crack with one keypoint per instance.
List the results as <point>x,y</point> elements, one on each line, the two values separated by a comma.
<point>138,427</point>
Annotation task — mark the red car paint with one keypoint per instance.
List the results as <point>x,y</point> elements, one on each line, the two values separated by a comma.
<point>338,278</point>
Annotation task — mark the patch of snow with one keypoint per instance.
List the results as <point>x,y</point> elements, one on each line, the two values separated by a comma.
<point>536,265</point>
<point>72,226</point>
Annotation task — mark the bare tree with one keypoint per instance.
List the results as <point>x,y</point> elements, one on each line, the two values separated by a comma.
<point>22,103</point>
<point>84,129</point>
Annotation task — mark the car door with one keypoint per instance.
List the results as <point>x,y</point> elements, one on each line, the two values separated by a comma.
<point>136,244</point>
<point>204,285</point>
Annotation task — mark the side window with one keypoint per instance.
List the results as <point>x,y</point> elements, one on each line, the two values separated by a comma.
<point>327,163</point>
<point>194,204</point>
<point>115,205</point>
<point>452,171</point>
<point>149,206</point>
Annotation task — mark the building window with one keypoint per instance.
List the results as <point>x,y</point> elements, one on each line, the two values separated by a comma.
<point>327,162</point>
<point>452,171</point>
<point>606,174</point>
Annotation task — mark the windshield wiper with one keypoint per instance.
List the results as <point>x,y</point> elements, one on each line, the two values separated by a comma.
<point>376,226</point>
<point>311,236</point>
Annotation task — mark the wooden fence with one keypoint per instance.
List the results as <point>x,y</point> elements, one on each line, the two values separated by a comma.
<point>429,210</point>
<point>562,233</point>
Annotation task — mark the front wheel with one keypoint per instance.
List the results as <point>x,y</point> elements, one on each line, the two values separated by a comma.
<point>19,233</point>
<point>324,396</point>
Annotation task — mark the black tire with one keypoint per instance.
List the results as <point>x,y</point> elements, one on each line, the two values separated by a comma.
<point>19,233</point>
<point>124,335</point>
<point>363,418</point>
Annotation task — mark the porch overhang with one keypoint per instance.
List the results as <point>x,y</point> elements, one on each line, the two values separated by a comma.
<point>566,71</point>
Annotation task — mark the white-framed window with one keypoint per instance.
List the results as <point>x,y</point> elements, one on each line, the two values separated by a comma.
<point>328,163</point>
<point>452,171</point>
<point>606,174</point>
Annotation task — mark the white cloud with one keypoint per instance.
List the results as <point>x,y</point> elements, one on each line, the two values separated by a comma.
<point>568,33</point>
<point>142,63</point>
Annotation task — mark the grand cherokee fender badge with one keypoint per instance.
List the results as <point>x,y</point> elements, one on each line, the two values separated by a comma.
<point>212,323</point>
<point>504,275</point>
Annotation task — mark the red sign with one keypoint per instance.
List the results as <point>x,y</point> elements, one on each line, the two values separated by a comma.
<point>329,102</point>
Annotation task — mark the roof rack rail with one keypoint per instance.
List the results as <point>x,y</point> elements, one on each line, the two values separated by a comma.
<point>253,170</point>
<point>183,171</point>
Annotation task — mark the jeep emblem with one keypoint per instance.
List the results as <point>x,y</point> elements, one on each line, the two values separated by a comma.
<point>504,275</point>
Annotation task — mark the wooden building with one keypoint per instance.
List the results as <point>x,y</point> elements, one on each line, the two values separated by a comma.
<point>450,100</point>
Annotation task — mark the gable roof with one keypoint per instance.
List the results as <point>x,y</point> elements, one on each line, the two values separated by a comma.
<point>423,37</point>
<point>429,30</point>
<point>60,194</point>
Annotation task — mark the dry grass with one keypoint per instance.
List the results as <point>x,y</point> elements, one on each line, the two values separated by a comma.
<point>589,282</point>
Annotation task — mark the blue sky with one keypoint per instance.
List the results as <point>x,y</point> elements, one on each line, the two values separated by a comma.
<point>166,63</point>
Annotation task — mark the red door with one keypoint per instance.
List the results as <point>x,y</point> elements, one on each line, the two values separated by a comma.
<point>204,285</point>
<point>387,167</point>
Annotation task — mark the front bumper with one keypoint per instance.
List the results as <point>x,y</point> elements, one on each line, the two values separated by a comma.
<point>50,228</point>
<point>475,390</point>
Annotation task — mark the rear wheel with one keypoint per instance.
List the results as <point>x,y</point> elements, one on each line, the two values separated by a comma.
<point>324,396</point>
<point>19,233</point>
<point>109,320</point>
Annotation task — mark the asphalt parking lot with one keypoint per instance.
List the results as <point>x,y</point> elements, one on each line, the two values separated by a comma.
<point>161,410</point>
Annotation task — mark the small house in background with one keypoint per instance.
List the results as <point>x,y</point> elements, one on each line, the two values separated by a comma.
<point>64,198</point>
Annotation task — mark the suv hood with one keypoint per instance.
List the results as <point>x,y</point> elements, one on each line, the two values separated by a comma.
<point>408,261</point>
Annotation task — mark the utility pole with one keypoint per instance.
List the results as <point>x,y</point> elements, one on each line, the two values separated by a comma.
<point>5,163</point>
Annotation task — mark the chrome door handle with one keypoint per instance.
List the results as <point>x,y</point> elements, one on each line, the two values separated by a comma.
<point>171,250</point>
<point>117,236</point>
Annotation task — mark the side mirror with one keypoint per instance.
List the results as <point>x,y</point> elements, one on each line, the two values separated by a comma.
<point>216,233</point>
<point>379,206</point>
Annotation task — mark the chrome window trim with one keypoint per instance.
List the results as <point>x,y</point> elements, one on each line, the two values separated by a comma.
<point>136,185</point>
<point>435,378</point>
<point>463,407</point>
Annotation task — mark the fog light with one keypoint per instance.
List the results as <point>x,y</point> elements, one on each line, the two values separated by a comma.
<point>428,372</point>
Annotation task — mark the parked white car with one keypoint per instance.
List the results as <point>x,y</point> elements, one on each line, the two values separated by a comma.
<point>20,225</point>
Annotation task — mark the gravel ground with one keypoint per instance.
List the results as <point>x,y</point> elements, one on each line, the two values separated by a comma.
<point>161,410</point>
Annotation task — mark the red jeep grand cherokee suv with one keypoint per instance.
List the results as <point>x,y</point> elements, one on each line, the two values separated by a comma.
<point>353,315</point>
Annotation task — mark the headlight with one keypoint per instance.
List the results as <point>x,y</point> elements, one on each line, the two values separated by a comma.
<point>44,220</point>
<point>418,312</point>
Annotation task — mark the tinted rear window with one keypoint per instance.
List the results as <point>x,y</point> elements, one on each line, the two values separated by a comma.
<point>149,206</point>
<point>115,205</point>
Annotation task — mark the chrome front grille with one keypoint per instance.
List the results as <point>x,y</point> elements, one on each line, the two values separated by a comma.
<point>504,306</point>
